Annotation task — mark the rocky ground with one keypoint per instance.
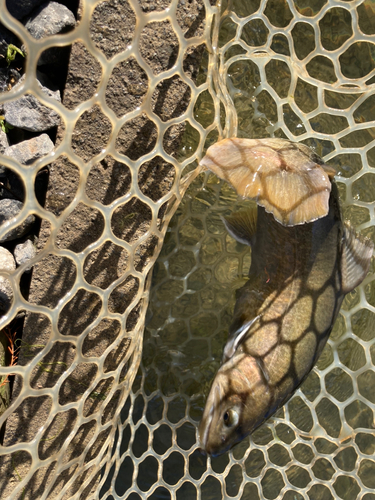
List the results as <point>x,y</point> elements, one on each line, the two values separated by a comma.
<point>32,130</point>
<point>27,132</point>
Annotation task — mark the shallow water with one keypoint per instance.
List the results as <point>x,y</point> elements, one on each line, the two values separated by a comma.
<point>321,442</point>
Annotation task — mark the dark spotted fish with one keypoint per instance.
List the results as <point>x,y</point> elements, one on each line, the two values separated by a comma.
<point>304,261</point>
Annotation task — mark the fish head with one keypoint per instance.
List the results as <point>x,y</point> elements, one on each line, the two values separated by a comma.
<point>237,404</point>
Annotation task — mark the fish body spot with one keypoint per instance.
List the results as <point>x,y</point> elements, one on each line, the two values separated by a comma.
<point>277,363</point>
<point>297,320</point>
<point>304,353</point>
<point>262,340</point>
<point>325,308</point>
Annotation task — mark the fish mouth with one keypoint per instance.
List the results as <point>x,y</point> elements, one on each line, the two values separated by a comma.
<point>205,426</point>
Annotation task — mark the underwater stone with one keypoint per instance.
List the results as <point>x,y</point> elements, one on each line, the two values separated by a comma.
<point>24,252</point>
<point>29,114</point>
<point>6,293</point>
<point>27,152</point>
<point>8,210</point>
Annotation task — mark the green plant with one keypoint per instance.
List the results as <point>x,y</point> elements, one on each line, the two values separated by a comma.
<point>12,51</point>
<point>5,127</point>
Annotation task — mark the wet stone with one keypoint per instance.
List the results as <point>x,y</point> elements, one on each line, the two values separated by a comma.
<point>27,152</point>
<point>8,210</point>
<point>29,114</point>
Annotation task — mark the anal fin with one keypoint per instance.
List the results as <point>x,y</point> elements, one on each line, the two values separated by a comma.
<point>356,256</point>
<point>242,225</point>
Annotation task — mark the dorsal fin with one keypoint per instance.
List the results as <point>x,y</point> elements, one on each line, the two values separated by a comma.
<point>242,225</point>
<point>356,256</point>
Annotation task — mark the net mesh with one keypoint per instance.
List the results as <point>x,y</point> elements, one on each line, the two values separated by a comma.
<point>82,423</point>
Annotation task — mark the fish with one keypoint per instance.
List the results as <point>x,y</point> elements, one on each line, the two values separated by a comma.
<point>304,259</point>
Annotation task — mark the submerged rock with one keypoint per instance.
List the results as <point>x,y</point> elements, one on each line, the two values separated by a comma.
<point>29,113</point>
<point>27,152</point>
<point>8,210</point>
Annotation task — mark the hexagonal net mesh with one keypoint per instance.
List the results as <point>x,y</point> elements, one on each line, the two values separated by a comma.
<point>81,423</point>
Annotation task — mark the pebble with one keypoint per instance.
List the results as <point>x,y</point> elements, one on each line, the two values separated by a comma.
<point>8,210</point>
<point>26,152</point>
<point>28,113</point>
<point>24,252</point>
<point>20,8</point>
<point>6,292</point>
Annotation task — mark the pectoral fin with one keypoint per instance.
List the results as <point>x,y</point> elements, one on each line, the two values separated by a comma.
<point>356,256</point>
<point>242,225</point>
<point>235,339</point>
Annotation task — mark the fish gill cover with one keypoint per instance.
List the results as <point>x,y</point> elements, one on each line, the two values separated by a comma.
<point>300,70</point>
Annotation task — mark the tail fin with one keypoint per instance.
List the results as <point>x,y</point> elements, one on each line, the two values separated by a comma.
<point>285,178</point>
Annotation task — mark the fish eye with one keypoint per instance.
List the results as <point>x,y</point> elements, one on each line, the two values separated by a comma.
<point>230,417</point>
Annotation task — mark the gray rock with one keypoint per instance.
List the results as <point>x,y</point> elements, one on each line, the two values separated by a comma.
<point>24,252</point>
<point>20,8</point>
<point>6,293</point>
<point>4,143</point>
<point>8,78</point>
<point>6,260</point>
<point>50,18</point>
<point>8,210</point>
<point>27,152</point>
<point>29,114</point>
